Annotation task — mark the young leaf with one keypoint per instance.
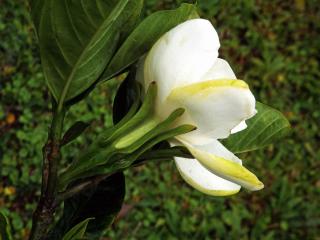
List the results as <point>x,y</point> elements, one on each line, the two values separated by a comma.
<point>145,35</point>
<point>5,232</point>
<point>78,38</point>
<point>74,131</point>
<point>78,231</point>
<point>266,127</point>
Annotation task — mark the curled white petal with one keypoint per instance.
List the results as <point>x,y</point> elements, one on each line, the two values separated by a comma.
<point>220,161</point>
<point>203,180</point>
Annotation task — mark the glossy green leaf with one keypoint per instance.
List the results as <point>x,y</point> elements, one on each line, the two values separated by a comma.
<point>78,231</point>
<point>5,232</point>
<point>78,38</point>
<point>74,131</point>
<point>145,35</point>
<point>102,202</point>
<point>266,127</point>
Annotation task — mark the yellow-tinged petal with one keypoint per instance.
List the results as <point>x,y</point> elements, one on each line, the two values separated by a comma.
<point>206,88</point>
<point>203,180</point>
<point>229,169</point>
<point>215,106</point>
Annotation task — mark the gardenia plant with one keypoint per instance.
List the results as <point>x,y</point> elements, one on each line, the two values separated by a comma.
<point>189,104</point>
<point>185,66</point>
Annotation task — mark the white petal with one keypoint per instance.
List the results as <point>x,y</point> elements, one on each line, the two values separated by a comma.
<point>220,70</point>
<point>182,56</point>
<point>241,126</point>
<point>203,180</point>
<point>215,107</point>
<point>220,161</point>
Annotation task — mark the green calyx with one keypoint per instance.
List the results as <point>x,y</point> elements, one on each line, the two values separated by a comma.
<point>120,146</point>
<point>136,134</point>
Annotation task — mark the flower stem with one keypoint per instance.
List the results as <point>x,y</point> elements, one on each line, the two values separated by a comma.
<point>44,213</point>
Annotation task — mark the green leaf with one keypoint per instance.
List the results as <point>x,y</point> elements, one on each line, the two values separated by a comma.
<point>145,35</point>
<point>78,38</point>
<point>102,202</point>
<point>78,231</point>
<point>5,232</point>
<point>267,126</point>
<point>74,131</point>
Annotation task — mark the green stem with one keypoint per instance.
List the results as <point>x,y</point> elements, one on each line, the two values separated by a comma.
<point>44,213</point>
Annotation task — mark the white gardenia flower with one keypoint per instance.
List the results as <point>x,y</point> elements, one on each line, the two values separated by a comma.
<point>185,65</point>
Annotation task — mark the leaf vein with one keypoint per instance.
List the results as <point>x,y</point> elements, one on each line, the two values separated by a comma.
<point>260,132</point>
<point>88,15</point>
<point>100,8</point>
<point>72,23</point>
<point>245,134</point>
<point>265,141</point>
<point>78,63</point>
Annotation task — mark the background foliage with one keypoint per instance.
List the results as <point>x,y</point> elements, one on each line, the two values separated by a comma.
<point>273,45</point>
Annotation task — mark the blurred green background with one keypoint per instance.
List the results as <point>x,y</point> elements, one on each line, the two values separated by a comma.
<point>273,45</point>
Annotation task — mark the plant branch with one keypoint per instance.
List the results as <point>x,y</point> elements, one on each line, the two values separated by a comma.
<point>43,215</point>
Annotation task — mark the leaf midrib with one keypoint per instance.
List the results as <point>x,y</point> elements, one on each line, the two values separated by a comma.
<point>70,77</point>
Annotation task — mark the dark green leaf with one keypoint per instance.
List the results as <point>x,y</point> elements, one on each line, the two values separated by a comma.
<point>266,127</point>
<point>145,35</point>
<point>78,231</point>
<point>146,110</point>
<point>5,232</point>
<point>74,131</point>
<point>102,202</point>
<point>127,94</point>
<point>78,38</point>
